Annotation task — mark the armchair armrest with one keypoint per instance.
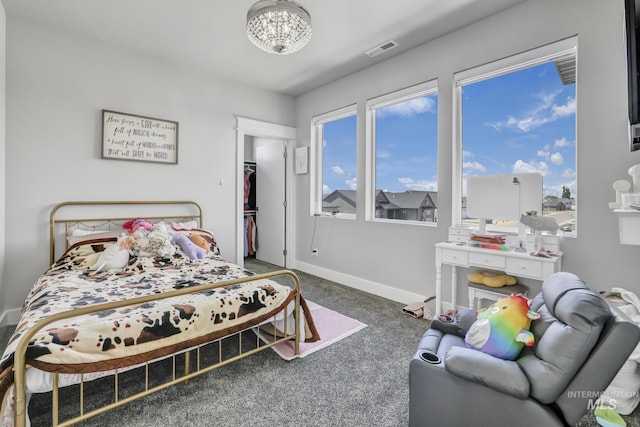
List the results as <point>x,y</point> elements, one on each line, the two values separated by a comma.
<point>504,376</point>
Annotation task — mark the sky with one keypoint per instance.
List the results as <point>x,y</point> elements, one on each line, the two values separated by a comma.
<point>517,123</point>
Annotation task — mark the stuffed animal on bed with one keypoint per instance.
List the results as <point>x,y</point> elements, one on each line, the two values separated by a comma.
<point>116,256</point>
<point>502,330</point>
<point>154,244</point>
<point>200,241</point>
<point>135,224</point>
<point>192,250</point>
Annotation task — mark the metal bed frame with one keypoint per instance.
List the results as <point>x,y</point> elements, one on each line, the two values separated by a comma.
<point>21,364</point>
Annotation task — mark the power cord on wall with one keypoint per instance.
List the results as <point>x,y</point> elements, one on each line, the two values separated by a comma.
<point>313,249</point>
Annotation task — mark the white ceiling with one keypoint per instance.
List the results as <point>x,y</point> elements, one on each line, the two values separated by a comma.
<point>210,34</point>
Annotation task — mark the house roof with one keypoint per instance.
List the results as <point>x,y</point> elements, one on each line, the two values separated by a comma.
<point>555,202</point>
<point>343,201</point>
<point>405,200</point>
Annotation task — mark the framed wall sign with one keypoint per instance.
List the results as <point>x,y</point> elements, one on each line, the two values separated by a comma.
<point>133,137</point>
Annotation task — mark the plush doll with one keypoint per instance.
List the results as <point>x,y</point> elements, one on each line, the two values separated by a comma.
<point>156,243</point>
<point>200,241</point>
<point>502,330</point>
<point>192,250</point>
<point>135,224</point>
<point>116,256</point>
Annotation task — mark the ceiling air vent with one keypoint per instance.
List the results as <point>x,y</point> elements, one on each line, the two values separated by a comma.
<point>382,48</point>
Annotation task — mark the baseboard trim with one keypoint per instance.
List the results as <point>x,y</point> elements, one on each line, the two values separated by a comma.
<point>364,285</point>
<point>10,317</point>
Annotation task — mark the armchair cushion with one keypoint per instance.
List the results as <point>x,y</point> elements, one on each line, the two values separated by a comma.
<point>572,319</point>
<point>502,375</point>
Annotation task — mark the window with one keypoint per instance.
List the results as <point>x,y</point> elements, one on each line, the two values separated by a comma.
<point>334,177</point>
<point>518,115</point>
<point>402,155</point>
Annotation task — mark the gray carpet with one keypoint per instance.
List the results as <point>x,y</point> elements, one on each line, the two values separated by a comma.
<point>359,381</point>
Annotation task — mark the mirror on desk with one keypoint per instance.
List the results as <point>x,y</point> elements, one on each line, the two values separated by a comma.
<point>503,197</point>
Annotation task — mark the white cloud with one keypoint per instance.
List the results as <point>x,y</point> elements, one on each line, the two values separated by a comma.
<point>544,113</point>
<point>409,108</point>
<point>473,165</point>
<point>423,185</point>
<point>562,142</point>
<point>326,189</point>
<point>568,173</point>
<point>543,153</point>
<point>382,154</point>
<point>556,159</point>
<point>564,110</point>
<point>406,181</point>
<point>523,167</point>
<point>337,170</point>
<point>352,184</point>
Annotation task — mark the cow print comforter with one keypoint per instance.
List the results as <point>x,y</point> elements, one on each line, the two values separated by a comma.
<point>129,335</point>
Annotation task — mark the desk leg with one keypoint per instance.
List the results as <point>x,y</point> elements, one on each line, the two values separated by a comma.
<point>438,288</point>
<point>454,287</point>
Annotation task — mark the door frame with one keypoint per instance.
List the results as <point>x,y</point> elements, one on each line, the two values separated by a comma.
<point>249,127</point>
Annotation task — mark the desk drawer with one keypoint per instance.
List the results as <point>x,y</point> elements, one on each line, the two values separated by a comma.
<point>455,257</point>
<point>457,234</point>
<point>525,267</point>
<point>487,260</point>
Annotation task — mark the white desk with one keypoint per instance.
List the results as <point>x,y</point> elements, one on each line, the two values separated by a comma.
<point>518,264</point>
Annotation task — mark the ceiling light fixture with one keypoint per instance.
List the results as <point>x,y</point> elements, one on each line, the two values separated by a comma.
<point>278,26</point>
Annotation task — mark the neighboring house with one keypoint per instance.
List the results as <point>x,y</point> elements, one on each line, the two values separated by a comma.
<point>557,204</point>
<point>340,201</point>
<point>409,205</point>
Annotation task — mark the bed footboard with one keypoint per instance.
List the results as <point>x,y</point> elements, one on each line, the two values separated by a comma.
<point>196,359</point>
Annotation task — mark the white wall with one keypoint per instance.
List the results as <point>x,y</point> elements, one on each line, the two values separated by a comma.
<point>377,256</point>
<point>57,87</point>
<point>3,27</point>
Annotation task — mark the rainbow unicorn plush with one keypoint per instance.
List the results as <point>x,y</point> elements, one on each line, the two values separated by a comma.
<point>502,330</point>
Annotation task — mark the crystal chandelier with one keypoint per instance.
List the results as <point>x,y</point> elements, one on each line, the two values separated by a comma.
<point>278,26</point>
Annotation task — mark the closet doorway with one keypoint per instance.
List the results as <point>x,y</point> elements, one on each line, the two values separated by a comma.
<point>264,150</point>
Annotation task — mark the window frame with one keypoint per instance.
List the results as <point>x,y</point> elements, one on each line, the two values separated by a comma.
<point>316,163</point>
<point>416,91</point>
<point>519,61</point>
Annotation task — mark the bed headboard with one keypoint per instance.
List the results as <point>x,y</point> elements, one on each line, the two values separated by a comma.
<point>66,217</point>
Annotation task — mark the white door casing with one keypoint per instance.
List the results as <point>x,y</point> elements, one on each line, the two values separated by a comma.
<point>255,128</point>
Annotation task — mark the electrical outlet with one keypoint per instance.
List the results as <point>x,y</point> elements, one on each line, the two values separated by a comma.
<point>314,251</point>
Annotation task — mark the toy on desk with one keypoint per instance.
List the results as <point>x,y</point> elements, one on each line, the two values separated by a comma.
<point>502,330</point>
<point>493,279</point>
<point>539,223</point>
<point>487,237</point>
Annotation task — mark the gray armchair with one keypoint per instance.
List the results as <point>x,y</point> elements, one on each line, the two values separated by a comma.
<point>580,344</point>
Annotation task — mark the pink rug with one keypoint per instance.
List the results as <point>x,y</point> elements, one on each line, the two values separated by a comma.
<point>331,325</point>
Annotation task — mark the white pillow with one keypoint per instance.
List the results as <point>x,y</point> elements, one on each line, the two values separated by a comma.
<point>78,236</point>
